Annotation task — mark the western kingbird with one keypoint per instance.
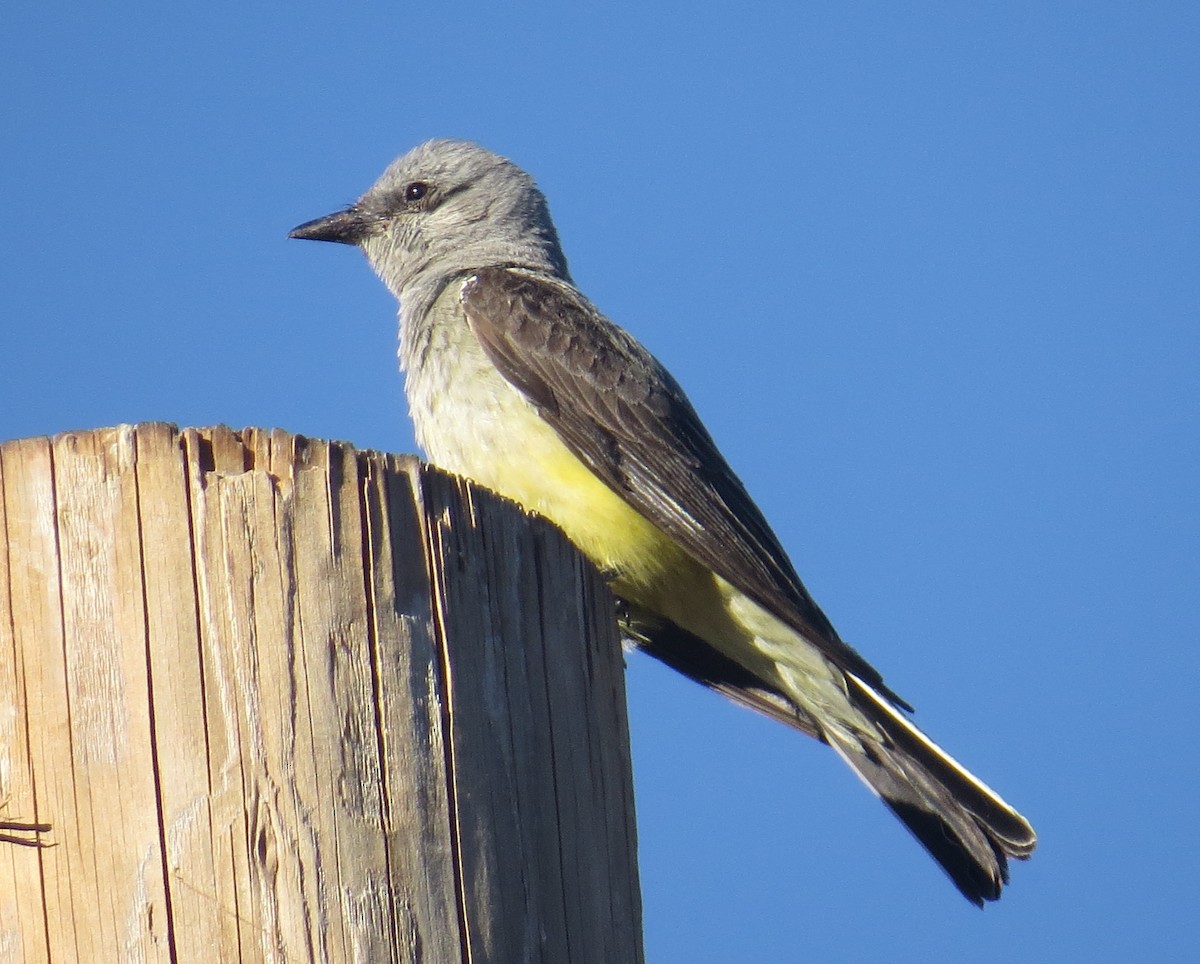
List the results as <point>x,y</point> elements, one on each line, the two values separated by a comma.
<point>516,381</point>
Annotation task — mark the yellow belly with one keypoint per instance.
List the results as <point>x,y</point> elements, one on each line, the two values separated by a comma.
<point>525,461</point>
<point>471,421</point>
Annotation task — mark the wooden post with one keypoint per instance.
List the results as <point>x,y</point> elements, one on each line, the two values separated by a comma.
<point>285,701</point>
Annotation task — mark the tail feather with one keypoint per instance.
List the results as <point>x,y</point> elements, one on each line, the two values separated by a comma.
<point>963,824</point>
<point>966,827</point>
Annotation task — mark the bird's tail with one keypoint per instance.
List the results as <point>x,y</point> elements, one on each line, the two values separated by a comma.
<point>963,824</point>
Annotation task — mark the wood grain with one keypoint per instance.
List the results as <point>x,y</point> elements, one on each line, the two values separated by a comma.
<point>282,700</point>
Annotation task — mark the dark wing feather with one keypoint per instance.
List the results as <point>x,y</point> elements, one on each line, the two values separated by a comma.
<point>625,417</point>
<point>696,658</point>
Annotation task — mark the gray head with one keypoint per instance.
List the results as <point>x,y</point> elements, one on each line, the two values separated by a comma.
<point>443,209</point>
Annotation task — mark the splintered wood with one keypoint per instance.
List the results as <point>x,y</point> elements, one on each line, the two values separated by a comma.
<point>280,700</point>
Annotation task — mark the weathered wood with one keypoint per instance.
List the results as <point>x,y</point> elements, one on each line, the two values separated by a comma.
<point>286,701</point>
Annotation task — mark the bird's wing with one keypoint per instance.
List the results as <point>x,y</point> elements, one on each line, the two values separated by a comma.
<point>626,418</point>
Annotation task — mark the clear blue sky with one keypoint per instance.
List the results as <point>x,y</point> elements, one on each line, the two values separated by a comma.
<point>931,276</point>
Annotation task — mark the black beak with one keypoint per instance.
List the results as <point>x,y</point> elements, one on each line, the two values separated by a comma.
<point>345,227</point>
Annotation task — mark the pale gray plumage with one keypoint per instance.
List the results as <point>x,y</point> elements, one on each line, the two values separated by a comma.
<point>516,380</point>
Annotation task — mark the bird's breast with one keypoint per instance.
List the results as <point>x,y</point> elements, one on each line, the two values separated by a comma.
<point>471,421</point>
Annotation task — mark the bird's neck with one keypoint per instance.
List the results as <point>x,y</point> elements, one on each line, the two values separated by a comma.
<point>423,286</point>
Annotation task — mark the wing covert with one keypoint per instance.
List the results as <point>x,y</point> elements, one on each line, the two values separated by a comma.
<point>624,416</point>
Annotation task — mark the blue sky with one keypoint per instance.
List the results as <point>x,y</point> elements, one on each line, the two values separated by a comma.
<point>930,275</point>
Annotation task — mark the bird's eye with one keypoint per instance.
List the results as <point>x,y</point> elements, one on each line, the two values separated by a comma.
<point>416,191</point>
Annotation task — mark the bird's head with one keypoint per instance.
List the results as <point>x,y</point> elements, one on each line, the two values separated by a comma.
<point>444,208</point>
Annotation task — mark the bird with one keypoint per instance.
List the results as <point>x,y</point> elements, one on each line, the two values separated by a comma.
<point>517,382</point>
